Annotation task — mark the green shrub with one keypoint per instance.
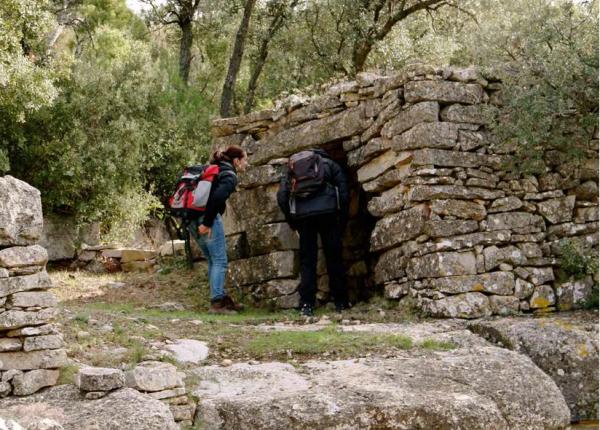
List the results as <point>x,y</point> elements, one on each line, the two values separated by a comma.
<point>576,261</point>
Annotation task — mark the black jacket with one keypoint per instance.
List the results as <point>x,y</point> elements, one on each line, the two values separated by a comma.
<point>326,201</point>
<point>219,193</point>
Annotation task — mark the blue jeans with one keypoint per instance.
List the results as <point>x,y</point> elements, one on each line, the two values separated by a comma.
<point>215,251</point>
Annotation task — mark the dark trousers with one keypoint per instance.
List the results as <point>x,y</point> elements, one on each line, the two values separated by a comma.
<point>330,230</point>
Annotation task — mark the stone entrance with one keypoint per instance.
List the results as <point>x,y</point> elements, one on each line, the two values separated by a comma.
<point>448,227</point>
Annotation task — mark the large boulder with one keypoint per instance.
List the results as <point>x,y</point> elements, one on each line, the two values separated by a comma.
<point>121,409</point>
<point>20,213</point>
<point>565,347</point>
<point>483,388</point>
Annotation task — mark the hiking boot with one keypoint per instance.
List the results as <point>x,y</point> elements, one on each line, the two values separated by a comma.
<point>339,307</point>
<point>231,305</point>
<point>307,310</point>
<point>220,306</point>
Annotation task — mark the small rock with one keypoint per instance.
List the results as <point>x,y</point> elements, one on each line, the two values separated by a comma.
<point>95,395</point>
<point>226,363</point>
<point>83,335</point>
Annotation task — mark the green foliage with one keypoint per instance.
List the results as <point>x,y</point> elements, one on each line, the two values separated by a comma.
<point>437,345</point>
<point>116,137</point>
<point>329,339</point>
<point>577,262</point>
<point>67,374</point>
<point>26,76</point>
<point>548,52</point>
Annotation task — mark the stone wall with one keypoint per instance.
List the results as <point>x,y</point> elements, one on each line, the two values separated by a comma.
<point>437,221</point>
<point>31,349</point>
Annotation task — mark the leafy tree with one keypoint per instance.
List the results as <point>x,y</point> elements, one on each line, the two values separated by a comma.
<point>26,74</point>
<point>182,13</point>
<point>547,55</point>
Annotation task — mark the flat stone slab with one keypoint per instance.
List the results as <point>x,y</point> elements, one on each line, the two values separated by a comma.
<point>188,351</point>
<point>564,346</point>
<point>122,409</point>
<point>481,388</point>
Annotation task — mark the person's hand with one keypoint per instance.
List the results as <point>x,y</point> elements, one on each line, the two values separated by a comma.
<point>202,230</point>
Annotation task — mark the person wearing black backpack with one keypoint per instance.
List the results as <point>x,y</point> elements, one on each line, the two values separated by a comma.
<point>313,196</point>
<point>208,230</point>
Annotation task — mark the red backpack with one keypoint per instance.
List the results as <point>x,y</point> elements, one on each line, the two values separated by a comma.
<point>193,189</point>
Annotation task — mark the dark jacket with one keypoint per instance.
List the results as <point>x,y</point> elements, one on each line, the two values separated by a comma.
<point>220,192</point>
<point>333,198</point>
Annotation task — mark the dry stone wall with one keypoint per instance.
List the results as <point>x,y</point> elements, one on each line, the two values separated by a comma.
<point>437,221</point>
<point>31,348</point>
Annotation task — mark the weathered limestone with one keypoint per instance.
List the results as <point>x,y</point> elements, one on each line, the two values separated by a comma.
<point>262,268</point>
<point>397,228</point>
<point>100,379</point>
<point>30,348</point>
<point>441,264</point>
<point>413,115</point>
<point>153,376</point>
<point>16,284</point>
<point>188,351</point>
<point>441,135</point>
<point>28,383</point>
<point>20,213</point>
<point>446,92</point>
<point>564,347</point>
<point>459,208</point>
<point>502,283</point>
<point>467,305</point>
<point>121,409</point>
<point>13,319</point>
<point>33,255</point>
<point>483,388</point>
<point>46,359</point>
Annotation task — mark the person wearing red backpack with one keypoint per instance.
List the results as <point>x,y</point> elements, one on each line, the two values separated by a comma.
<point>313,195</point>
<point>208,229</point>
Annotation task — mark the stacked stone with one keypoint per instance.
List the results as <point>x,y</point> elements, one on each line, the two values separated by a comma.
<point>161,381</point>
<point>455,233</point>
<point>102,258</point>
<point>31,348</point>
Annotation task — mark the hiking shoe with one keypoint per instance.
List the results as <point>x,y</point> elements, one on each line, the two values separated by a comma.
<point>220,306</point>
<point>339,307</point>
<point>231,305</point>
<point>307,310</point>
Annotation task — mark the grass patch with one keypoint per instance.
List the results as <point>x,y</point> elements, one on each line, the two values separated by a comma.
<point>136,353</point>
<point>248,317</point>
<point>437,345</point>
<point>82,318</point>
<point>327,340</point>
<point>66,374</point>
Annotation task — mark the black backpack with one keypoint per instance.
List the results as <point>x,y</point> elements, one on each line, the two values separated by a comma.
<point>307,171</point>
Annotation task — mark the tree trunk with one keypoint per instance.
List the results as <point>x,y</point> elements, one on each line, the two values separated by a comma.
<point>256,71</point>
<point>360,53</point>
<point>236,60</point>
<point>185,50</point>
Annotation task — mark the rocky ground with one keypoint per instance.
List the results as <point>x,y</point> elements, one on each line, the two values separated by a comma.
<point>374,367</point>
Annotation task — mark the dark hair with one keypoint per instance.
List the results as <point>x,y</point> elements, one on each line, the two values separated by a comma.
<point>228,155</point>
